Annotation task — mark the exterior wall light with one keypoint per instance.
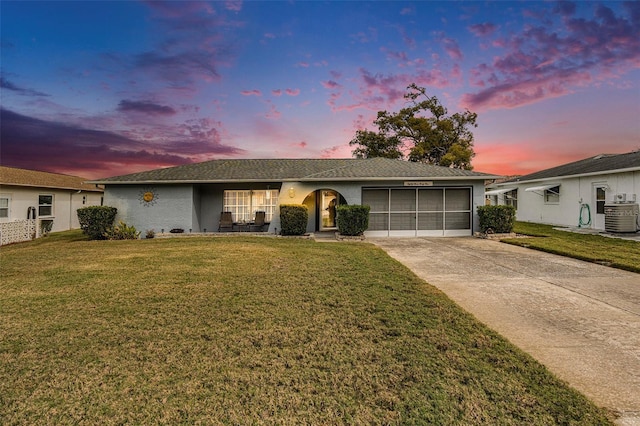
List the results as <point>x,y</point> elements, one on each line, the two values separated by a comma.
<point>292,192</point>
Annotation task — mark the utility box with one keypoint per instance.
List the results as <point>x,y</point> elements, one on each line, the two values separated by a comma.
<point>621,217</point>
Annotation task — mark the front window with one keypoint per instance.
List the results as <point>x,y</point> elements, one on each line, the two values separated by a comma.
<point>244,204</point>
<point>552,195</point>
<point>45,205</point>
<point>4,207</point>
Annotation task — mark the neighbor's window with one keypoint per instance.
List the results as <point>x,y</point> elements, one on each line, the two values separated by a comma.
<point>552,195</point>
<point>244,204</point>
<point>511,198</point>
<point>4,207</point>
<point>45,205</point>
<point>601,197</point>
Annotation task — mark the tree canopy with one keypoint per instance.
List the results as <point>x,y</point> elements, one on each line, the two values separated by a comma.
<point>422,132</point>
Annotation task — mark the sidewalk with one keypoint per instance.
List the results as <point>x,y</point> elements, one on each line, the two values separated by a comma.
<point>580,319</point>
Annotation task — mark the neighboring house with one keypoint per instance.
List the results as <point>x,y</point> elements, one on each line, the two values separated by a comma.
<point>573,194</point>
<point>46,200</point>
<point>406,198</point>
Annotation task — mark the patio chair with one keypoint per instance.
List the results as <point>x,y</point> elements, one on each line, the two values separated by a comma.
<point>226,221</point>
<point>258,224</point>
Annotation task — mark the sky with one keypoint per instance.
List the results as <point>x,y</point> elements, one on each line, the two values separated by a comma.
<point>99,89</point>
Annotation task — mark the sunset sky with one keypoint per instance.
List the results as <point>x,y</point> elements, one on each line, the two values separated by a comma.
<point>98,89</point>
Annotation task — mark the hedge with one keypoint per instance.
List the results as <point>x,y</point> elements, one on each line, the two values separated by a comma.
<point>95,221</point>
<point>293,219</point>
<point>499,219</point>
<point>352,219</point>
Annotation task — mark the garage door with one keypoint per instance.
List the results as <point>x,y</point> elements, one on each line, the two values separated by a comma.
<point>418,211</point>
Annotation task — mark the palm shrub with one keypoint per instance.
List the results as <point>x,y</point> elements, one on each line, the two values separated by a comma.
<point>499,219</point>
<point>293,219</point>
<point>96,220</point>
<point>352,219</point>
<point>122,231</point>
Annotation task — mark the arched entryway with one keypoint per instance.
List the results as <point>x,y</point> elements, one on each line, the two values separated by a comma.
<point>322,205</point>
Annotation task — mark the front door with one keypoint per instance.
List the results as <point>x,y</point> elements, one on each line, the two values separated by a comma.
<point>599,196</point>
<point>328,203</point>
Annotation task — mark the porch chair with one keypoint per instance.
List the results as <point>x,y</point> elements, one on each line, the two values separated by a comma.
<point>226,221</point>
<point>258,224</point>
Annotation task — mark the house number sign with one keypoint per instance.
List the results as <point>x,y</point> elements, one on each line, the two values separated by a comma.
<point>419,183</point>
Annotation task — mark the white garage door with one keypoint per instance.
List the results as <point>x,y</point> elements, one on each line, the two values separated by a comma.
<point>418,211</point>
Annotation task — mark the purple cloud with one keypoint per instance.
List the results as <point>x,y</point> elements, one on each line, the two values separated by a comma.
<point>542,63</point>
<point>254,92</point>
<point>565,8</point>
<point>145,107</point>
<point>6,84</point>
<point>482,30</point>
<point>33,143</point>
<point>452,48</point>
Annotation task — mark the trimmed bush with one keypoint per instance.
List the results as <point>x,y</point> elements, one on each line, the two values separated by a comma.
<point>293,219</point>
<point>96,220</point>
<point>352,220</point>
<point>122,231</point>
<point>499,219</point>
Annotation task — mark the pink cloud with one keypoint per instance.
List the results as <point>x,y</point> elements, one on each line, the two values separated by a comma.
<point>330,84</point>
<point>541,63</point>
<point>273,113</point>
<point>452,48</point>
<point>254,92</point>
<point>292,92</point>
<point>235,6</point>
<point>303,64</point>
<point>482,30</point>
<point>302,144</point>
<point>409,10</point>
<point>276,92</point>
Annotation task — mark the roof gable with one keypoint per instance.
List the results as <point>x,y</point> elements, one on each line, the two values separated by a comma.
<point>293,169</point>
<point>33,178</point>
<point>599,164</point>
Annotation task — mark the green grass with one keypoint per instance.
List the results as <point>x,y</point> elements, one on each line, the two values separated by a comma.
<point>622,254</point>
<point>245,330</point>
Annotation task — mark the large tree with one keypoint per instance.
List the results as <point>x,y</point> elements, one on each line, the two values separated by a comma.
<point>422,132</point>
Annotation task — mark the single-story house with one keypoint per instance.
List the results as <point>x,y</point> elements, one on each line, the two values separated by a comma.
<point>406,199</point>
<point>581,193</point>
<point>31,201</point>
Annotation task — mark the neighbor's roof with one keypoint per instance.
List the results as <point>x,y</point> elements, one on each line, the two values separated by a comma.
<point>600,164</point>
<point>261,170</point>
<point>33,178</point>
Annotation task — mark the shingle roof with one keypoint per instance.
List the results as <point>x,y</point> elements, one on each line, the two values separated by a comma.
<point>597,164</point>
<point>294,169</point>
<point>33,178</point>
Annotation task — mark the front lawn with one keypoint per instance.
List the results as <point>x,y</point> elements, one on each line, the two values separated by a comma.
<point>623,254</point>
<point>252,330</point>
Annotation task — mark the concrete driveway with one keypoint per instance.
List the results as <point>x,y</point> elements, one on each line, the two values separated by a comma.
<point>580,319</point>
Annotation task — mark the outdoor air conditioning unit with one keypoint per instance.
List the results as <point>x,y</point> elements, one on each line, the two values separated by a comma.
<point>620,198</point>
<point>621,217</point>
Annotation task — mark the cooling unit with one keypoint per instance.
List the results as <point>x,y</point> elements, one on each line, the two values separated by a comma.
<point>621,217</point>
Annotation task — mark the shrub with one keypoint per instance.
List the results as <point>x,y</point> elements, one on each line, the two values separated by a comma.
<point>150,233</point>
<point>96,220</point>
<point>122,231</point>
<point>293,219</point>
<point>353,219</point>
<point>499,219</point>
